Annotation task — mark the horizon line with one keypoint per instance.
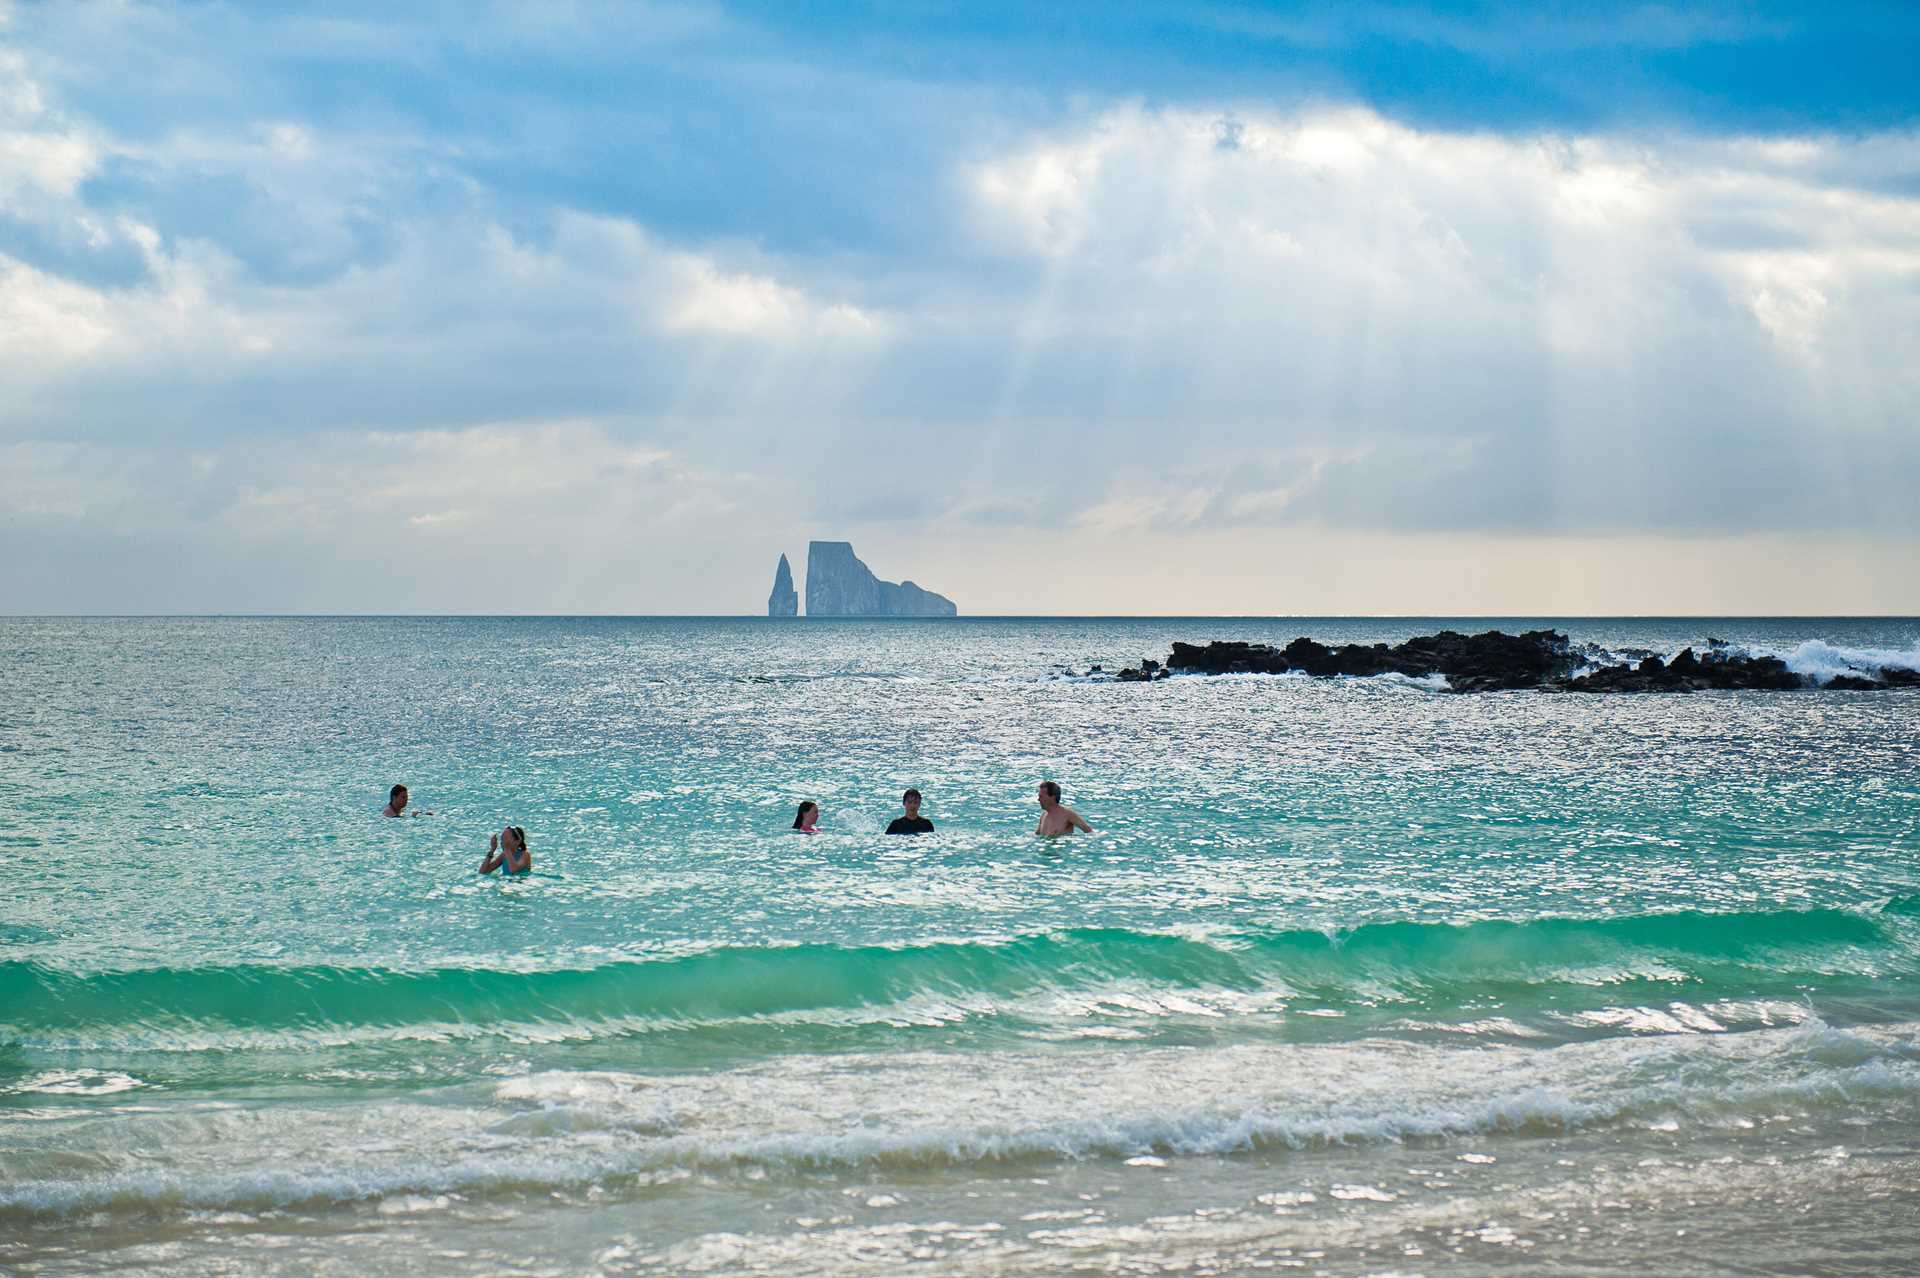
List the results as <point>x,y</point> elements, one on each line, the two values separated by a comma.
<point>1038,616</point>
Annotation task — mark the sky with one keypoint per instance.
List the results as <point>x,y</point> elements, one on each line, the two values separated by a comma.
<point>1102,308</point>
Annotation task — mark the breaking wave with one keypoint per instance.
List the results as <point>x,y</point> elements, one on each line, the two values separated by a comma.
<point>1823,662</point>
<point>540,1132</point>
<point>1427,963</point>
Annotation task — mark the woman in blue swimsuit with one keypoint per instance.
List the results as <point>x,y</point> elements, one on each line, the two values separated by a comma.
<point>507,853</point>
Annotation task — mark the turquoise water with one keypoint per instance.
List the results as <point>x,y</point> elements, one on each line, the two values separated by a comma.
<point>1356,976</point>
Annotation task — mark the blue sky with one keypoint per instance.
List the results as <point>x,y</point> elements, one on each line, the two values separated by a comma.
<point>1065,308</point>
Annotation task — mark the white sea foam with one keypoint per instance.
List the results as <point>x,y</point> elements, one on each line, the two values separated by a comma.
<point>84,1082</point>
<point>1814,659</point>
<point>1824,662</point>
<point>1435,682</point>
<point>557,1129</point>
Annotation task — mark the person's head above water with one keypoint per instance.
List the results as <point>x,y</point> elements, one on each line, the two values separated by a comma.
<point>396,800</point>
<point>912,822</point>
<point>507,852</point>
<point>1056,818</point>
<point>808,814</point>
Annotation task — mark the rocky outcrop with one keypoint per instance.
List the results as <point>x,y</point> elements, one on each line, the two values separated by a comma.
<point>785,600</point>
<point>1476,663</point>
<point>839,585</point>
<point>1495,661</point>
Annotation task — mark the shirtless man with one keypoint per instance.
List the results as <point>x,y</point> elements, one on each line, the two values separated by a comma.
<point>1056,818</point>
<point>397,804</point>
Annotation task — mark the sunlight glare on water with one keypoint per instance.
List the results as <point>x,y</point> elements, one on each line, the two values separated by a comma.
<point>1351,966</point>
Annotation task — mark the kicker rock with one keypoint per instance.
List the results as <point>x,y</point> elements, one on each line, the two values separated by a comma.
<point>784,601</point>
<point>839,585</point>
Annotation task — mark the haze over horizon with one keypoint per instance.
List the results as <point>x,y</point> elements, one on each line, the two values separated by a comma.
<point>1459,310</point>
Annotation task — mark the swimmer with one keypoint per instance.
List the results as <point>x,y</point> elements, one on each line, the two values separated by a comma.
<point>804,820</point>
<point>1056,818</point>
<point>397,803</point>
<point>507,853</point>
<point>912,822</point>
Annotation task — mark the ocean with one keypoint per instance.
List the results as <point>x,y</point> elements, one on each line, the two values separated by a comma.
<point>1354,977</point>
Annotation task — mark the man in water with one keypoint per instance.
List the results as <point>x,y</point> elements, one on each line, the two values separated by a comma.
<point>397,803</point>
<point>912,822</point>
<point>1056,818</point>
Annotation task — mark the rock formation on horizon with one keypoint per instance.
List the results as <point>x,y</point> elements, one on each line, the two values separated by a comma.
<point>784,601</point>
<point>839,585</point>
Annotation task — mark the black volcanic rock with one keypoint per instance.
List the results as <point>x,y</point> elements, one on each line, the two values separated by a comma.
<point>1648,676</point>
<point>1489,662</point>
<point>1226,657</point>
<point>1497,661</point>
<point>1471,663</point>
<point>1314,658</point>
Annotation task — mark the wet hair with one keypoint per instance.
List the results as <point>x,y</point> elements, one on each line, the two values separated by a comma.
<point>911,794</point>
<point>520,836</point>
<point>396,792</point>
<point>800,817</point>
<point>1052,788</point>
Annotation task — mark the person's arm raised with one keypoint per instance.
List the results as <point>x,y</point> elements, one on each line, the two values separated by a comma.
<point>494,858</point>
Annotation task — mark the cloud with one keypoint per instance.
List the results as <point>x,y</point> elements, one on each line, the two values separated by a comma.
<point>1597,333</point>
<point>1571,333</point>
<point>45,318</point>
<point>462,319</point>
<point>335,326</point>
<point>511,517</point>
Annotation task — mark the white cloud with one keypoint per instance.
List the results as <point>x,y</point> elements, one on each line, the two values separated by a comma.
<point>452,290</point>
<point>39,151</point>
<point>701,298</point>
<point>45,317</point>
<point>511,516</point>
<point>1183,506</point>
<point>1587,320</point>
<point>1149,323</point>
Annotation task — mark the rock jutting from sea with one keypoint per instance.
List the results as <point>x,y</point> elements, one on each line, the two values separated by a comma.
<point>1497,661</point>
<point>784,601</point>
<point>840,585</point>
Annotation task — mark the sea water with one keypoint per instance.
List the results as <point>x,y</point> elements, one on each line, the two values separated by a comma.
<point>1356,976</point>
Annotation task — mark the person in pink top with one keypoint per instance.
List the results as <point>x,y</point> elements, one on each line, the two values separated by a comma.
<point>804,820</point>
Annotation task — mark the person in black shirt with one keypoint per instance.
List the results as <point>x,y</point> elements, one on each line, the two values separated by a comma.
<point>912,822</point>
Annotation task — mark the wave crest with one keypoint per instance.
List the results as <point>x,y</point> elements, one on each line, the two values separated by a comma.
<point>1427,963</point>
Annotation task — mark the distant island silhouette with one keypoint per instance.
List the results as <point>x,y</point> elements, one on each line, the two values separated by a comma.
<point>840,585</point>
